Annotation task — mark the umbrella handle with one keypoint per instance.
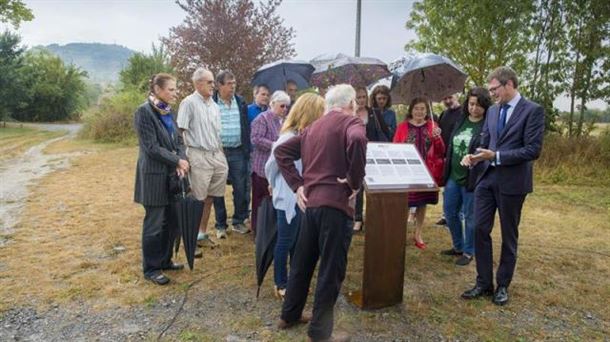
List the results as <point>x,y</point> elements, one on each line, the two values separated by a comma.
<point>182,187</point>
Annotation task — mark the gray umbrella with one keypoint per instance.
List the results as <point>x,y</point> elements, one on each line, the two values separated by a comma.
<point>275,75</point>
<point>426,74</point>
<point>341,68</point>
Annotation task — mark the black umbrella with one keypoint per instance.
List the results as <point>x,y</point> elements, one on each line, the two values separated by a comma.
<point>275,75</point>
<point>266,237</point>
<point>188,212</point>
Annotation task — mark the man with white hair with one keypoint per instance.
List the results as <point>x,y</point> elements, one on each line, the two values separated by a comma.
<point>199,121</point>
<point>333,152</point>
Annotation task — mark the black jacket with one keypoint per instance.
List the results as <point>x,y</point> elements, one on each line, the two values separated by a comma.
<point>447,121</point>
<point>158,157</point>
<point>243,119</point>
<point>376,128</point>
<point>474,172</point>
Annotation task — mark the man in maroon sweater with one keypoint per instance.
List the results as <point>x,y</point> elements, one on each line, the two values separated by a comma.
<point>333,152</point>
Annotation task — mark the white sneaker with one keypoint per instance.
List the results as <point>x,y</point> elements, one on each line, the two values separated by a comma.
<point>221,233</point>
<point>241,228</point>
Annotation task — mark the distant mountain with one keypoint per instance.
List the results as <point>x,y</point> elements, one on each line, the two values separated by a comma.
<point>103,62</point>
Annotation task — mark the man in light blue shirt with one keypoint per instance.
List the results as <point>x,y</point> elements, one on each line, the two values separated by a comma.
<point>235,137</point>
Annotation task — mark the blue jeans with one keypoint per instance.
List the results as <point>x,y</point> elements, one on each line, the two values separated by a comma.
<point>286,240</point>
<point>238,161</point>
<point>458,202</point>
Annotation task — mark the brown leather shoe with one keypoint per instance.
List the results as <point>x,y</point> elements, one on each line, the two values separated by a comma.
<point>336,337</point>
<point>305,318</point>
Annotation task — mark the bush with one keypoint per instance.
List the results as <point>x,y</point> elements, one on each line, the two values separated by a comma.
<point>575,161</point>
<point>112,120</point>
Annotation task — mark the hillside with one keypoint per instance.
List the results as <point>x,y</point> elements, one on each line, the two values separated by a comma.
<point>103,62</point>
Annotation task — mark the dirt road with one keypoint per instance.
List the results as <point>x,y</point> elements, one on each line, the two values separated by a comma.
<point>17,175</point>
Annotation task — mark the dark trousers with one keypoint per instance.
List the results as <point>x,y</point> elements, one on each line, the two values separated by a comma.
<point>487,198</point>
<point>239,171</point>
<point>327,236</point>
<point>157,239</point>
<point>359,206</point>
<point>260,190</point>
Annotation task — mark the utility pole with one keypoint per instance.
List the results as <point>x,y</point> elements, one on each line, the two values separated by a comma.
<point>358,14</point>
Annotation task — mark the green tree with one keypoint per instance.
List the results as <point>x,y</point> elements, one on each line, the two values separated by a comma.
<point>14,12</point>
<point>12,89</point>
<point>473,34</point>
<point>588,29</point>
<point>55,91</point>
<point>141,67</point>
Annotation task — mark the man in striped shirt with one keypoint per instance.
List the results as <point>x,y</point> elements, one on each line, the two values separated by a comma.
<point>235,136</point>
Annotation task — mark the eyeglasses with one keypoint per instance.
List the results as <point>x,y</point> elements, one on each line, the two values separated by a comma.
<point>493,89</point>
<point>210,82</point>
<point>283,106</point>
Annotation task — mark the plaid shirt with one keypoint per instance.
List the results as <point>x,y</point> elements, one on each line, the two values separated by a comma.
<point>265,131</point>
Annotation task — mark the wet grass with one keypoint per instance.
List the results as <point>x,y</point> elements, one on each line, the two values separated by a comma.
<point>15,140</point>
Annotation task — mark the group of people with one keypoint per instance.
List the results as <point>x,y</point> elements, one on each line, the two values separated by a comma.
<point>307,156</point>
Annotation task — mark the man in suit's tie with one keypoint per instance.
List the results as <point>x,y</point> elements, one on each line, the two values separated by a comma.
<point>511,140</point>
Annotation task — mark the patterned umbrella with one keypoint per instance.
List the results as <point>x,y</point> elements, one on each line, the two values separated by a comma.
<point>426,74</point>
<point>275,75</point>
<point>340,68</point>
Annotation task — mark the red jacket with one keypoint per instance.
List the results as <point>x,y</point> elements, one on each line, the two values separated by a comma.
<point>435,157</point>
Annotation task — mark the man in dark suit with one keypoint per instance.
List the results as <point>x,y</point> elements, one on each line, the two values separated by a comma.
<point>511,140</point>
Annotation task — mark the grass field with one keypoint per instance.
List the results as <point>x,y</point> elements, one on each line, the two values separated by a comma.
<point>15,140</point>
<point>79,242</point>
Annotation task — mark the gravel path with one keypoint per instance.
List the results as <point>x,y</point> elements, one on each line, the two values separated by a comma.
<point>16,175</point>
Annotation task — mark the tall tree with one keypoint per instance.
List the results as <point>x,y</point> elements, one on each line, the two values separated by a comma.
<point>238,35</point>
<point>478,35</point>
<point>12,89</point>
<point>14,12</point>
<point>546,70</point>
<point>588,27</point>
<point>141,67</point>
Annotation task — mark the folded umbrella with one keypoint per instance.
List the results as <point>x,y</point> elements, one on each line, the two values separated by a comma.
<point>341,68</point>
<point>426,74</point>
<point>275,75</point>
<point>187,213</point>
<point>266,237</point>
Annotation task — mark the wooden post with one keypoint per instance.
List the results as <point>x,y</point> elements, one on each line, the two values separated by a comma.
<point>384,250</point>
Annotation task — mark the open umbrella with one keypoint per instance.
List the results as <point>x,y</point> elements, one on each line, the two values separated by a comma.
<point>275,75</point>
<point>187,213</point>
<point>266,237</point>
<point>341,68</point>
<point>426,74</point>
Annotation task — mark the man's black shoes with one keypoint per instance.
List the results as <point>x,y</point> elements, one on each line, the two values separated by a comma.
<point>157,278</point>
<point>500,296</point>
<point>174,267</point>
<point>477,291</point>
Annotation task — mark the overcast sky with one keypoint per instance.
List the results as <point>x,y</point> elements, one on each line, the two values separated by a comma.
<point>322,26</point>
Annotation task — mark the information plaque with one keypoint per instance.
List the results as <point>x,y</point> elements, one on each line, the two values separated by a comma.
<point>396,167</point>
<point>392,170</point>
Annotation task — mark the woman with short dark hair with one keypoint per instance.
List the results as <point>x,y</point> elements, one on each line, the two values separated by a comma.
<point>420,129</point>
<point>161,154</point>
<point>460,180</point>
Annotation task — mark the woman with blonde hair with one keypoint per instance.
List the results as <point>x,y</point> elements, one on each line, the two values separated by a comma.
<point>307,109</point>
